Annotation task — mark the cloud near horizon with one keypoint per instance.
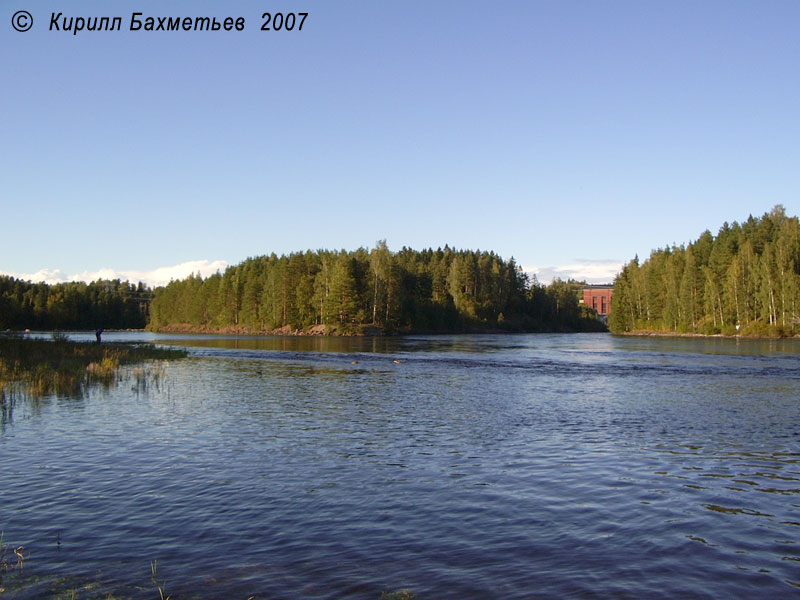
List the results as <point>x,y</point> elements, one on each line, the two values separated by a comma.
<point>153,278</point>
<point>590,271</point>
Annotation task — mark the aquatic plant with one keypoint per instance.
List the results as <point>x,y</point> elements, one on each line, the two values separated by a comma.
<point>70,587</point>
<point>7,561</point>
<point>159,584</point>
<point>103,370</point>
<point>11,559</point>
<point>403,594</point>
<point>37,367</point>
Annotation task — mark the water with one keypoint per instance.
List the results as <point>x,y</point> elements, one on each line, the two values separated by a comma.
<point>519,466</point>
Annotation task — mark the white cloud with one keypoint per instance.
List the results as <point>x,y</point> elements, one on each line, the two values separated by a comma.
<point>591,271</point>
<point>153,278</point>
<point>50,276</point>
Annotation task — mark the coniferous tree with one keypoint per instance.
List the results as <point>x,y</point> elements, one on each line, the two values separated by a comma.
<point>745,279</point>
<point>429,290</point>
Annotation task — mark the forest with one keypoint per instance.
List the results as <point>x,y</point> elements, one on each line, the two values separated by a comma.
<point>351,292</point>
<point>743,281</point>
<point>109,304</point>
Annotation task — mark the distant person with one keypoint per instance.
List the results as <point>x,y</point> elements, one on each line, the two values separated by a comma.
<point>98,333</point>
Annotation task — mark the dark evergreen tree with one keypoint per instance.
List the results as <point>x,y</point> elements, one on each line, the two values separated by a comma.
<point>430,290</point>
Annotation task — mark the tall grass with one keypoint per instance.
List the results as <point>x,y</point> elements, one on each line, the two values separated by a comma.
<point>37,367</point>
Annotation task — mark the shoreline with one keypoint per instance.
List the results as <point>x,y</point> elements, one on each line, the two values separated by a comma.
<point>335,331</point>
<point>677,334</point>
<point>285,331</point>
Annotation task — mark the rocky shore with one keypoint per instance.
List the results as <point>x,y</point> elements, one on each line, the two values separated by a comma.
<point>286,330</point>
<point>677,334</point>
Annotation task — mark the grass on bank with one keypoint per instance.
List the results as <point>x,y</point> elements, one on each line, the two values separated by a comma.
<point>39,366</point>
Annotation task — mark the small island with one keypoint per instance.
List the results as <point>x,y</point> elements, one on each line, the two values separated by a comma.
<point>322,292</point>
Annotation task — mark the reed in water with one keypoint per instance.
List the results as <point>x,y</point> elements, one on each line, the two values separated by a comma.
<point>40,366</point>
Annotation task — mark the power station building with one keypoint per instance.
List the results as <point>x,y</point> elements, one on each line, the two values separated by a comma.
<point>598,297</point>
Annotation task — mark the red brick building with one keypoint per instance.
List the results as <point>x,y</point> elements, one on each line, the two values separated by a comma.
<point>598,297</point>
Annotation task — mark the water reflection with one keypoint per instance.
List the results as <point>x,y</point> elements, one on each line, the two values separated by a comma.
<point>289,343</point>
<point>6,411</point>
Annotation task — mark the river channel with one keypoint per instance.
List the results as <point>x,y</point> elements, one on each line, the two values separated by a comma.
<point>469,467</point>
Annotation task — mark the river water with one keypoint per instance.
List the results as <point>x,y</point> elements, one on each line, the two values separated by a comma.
<point>513,466</point>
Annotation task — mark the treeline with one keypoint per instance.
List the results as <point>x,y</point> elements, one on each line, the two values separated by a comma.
<point>109,304</point>
<point>744,280</point>
<point>442,290</point>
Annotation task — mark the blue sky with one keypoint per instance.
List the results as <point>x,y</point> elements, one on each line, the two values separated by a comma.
<point>570,135</point>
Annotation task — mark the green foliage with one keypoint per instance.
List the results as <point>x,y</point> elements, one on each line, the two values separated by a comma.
<point>443,290</point>
<point>746,280</point>
<point>109,304</point>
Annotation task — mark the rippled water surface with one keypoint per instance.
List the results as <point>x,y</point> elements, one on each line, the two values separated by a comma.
<point>518,466</point>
